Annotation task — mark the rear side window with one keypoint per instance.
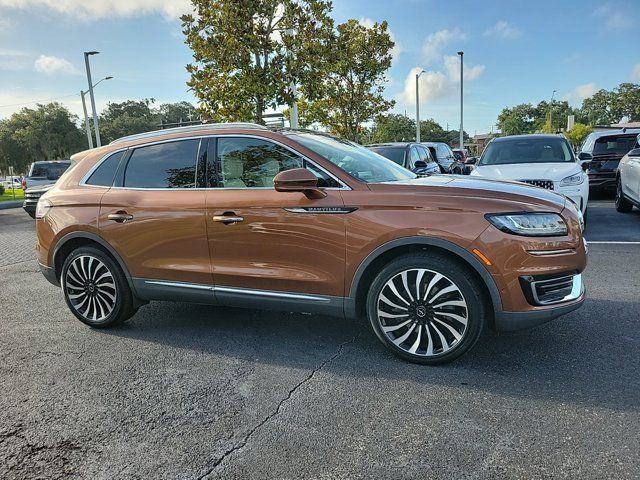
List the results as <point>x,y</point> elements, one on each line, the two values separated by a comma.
<point>106,171</point>
<point>394,154</point>
<point>165,165</point>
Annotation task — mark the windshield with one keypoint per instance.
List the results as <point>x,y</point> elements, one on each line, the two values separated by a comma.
<point>527,150</point>
<point>356,160</point>
<point>620,145</point>
<point>396,155</point>
<point>52,171</point>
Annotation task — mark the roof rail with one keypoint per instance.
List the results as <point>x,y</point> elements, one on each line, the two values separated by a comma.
<point>190,128</point>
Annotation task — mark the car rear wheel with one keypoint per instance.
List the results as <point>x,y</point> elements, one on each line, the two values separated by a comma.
<point>622,204</point>
<point>95,289</point>
<point>426,309</point>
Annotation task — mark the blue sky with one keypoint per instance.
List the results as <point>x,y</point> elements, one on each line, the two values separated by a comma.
<point>515,51</point>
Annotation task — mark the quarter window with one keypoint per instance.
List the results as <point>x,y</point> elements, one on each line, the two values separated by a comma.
<point>106,171</point>
<point>165,165</point>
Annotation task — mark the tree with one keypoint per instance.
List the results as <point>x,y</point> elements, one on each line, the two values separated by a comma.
<point>176,112</point>
<point>248,53</point>
<point>354,81</point>
<point>393,128</point>
<point>627,101</point>
<point>127,118</point>
<point>578,133</point>
<point>47,132</point>
<point>599,109</point>
<point>432,131</point>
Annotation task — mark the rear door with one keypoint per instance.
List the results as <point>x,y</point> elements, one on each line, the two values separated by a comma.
<point>425,156</point>
<point>154,214</point>
<point>266,244</point>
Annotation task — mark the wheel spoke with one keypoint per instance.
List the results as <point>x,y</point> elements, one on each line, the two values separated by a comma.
<point>445,344</point>
<point>449,289</point>
<point>393,288</point>
<point>430,344</point>
<point>401,339</point>
<point>421,273</point>
<point>389,302</point>
<point>392,315</point>
<point>406,285</point>
<point>436,278</point>
<point>453,331</point>
<point>454,316</point>
<point>77,272</point>
<point>453,303</point>
<point>78,295</point>
<point>416,344</point>
<point>393,328</point>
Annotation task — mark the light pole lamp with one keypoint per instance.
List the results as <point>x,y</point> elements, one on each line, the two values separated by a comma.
<point>461,53</point>
<point>86,117</point>
<point>93,101</point>
<point>418,106</point>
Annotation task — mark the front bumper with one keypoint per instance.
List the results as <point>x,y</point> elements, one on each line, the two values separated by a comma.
<point>602,181</point>
<point>513,321</point>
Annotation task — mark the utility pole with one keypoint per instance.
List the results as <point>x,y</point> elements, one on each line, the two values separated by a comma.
<point>418,107</point>
<point>461,53</point>
<point>93,101</point>
<point>551,111</point>
<point>86,121</point>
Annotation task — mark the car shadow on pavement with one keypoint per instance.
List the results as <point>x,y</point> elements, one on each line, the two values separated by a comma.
<point>577,359</point>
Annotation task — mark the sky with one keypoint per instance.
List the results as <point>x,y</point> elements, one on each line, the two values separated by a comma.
<point>514,52</point>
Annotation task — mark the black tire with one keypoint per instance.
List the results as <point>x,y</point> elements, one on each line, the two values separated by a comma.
<point>86,277</point>
<point>622,204</point>
<point>585,219</point>
<point>432,324</point>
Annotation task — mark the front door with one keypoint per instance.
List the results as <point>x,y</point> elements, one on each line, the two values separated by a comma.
<point>154,216</point>
<point>265,243</point>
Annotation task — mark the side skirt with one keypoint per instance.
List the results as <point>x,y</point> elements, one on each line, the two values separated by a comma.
<point>168,290</point>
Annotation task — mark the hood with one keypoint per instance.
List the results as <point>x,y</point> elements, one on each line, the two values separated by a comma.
<point>519,195</point>
<point>39,188</point>
<point>528,171</point>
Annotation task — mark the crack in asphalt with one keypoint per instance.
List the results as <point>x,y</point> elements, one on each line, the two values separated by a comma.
<point>239,446</point>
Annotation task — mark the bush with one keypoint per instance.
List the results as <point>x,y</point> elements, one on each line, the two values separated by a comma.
<point>1,190</point>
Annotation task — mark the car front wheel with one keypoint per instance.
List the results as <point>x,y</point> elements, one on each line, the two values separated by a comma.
<point>426,309</point>
<point>622,204</point>
<point>95,289</point>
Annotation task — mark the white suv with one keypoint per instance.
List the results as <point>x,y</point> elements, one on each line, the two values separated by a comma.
<point>546,161</point>
<point>628,181</point>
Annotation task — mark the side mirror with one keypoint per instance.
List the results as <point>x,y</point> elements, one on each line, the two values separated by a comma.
<point>419,164</point>
<point>634,153</point>
<point>585,165</point>
<point>471,161</point>
<point>585,157</point>
<point>298,180</point>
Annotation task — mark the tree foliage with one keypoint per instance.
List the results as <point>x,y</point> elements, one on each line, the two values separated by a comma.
<point>612,106</point>
<point>393,127</point>
<point>46,132</point>
<point>247,53</point>
<point>578,133</point>
<point>353,83</point>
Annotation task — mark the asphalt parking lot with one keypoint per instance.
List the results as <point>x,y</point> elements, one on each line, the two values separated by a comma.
<point>191,391</point>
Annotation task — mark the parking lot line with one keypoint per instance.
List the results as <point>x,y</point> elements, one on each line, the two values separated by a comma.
<point>592,242</point>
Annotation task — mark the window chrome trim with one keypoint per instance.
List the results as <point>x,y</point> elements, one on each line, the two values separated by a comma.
<point>196,137</point>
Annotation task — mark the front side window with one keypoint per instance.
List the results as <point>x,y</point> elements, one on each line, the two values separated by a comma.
<point>354,159</point>
<point>444,151</point>
<point>527,150</point>
<point>424,155</point>
<point>414,156</point>
<point>165,165</point>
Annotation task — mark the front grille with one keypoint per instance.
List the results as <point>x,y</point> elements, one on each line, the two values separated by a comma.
<point>548,184</point>
<point>30,198</point>
<point>550,290</point>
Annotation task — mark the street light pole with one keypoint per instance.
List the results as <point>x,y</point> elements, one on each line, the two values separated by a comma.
<point>418,107</point>
<point>551,111</point>
<point>93,101</point>
<point>461,53</point>
<point>86,120</point>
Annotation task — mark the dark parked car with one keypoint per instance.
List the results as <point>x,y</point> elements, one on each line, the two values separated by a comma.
<point>31,197</point>
<point>45,173</point>
<point>445,157</point>
<point>412,156</point>
<point>603,151</point>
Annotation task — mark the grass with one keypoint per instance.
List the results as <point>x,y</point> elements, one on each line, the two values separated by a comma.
<point>8,195</point>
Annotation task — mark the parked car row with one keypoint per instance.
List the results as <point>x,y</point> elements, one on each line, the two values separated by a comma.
<point>42,175</point>
<point>425,158</point>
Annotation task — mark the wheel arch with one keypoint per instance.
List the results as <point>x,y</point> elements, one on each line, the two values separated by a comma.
<point>74,240</point>
<point>355,303</point>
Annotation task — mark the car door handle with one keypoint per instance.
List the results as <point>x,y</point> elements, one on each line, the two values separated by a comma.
<point>228,219</point>
<point>120,217</point>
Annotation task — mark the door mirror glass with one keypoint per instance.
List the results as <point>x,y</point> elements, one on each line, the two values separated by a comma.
<point>419,164</point>
<point>471,161</point>
<point>584,156</point>
<point>298,180</point>
<point>635,152</point>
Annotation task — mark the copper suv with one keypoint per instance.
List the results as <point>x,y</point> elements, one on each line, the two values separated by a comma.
<point>240,215</point>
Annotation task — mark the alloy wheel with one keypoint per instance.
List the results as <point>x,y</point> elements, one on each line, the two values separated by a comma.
<point>90,287</point>
<point>422,312</point>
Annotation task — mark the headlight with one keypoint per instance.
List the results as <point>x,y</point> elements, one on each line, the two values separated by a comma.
<point>576,179</point>
<point>42,208</point>
<point>529,224</point>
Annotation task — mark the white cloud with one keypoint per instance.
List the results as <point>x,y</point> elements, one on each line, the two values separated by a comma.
<point>614,16</point>
<point>397,48</point>
<point>435,42</point>
<point>93,9</point>
<point>50,65</point>
<point>578,94</point>
<point>436,84</point>
<point>635,73</point>
<point>503,30</point>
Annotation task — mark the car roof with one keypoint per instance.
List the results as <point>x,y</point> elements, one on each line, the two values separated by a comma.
<point>52,161</point>
<point>392,144</point>
<point>526,136</point>
<point>190,129</point>
<point>433,144</point>
<point>613,133</point>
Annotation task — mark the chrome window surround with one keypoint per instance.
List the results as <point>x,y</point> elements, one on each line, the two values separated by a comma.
<point>84,179</point>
